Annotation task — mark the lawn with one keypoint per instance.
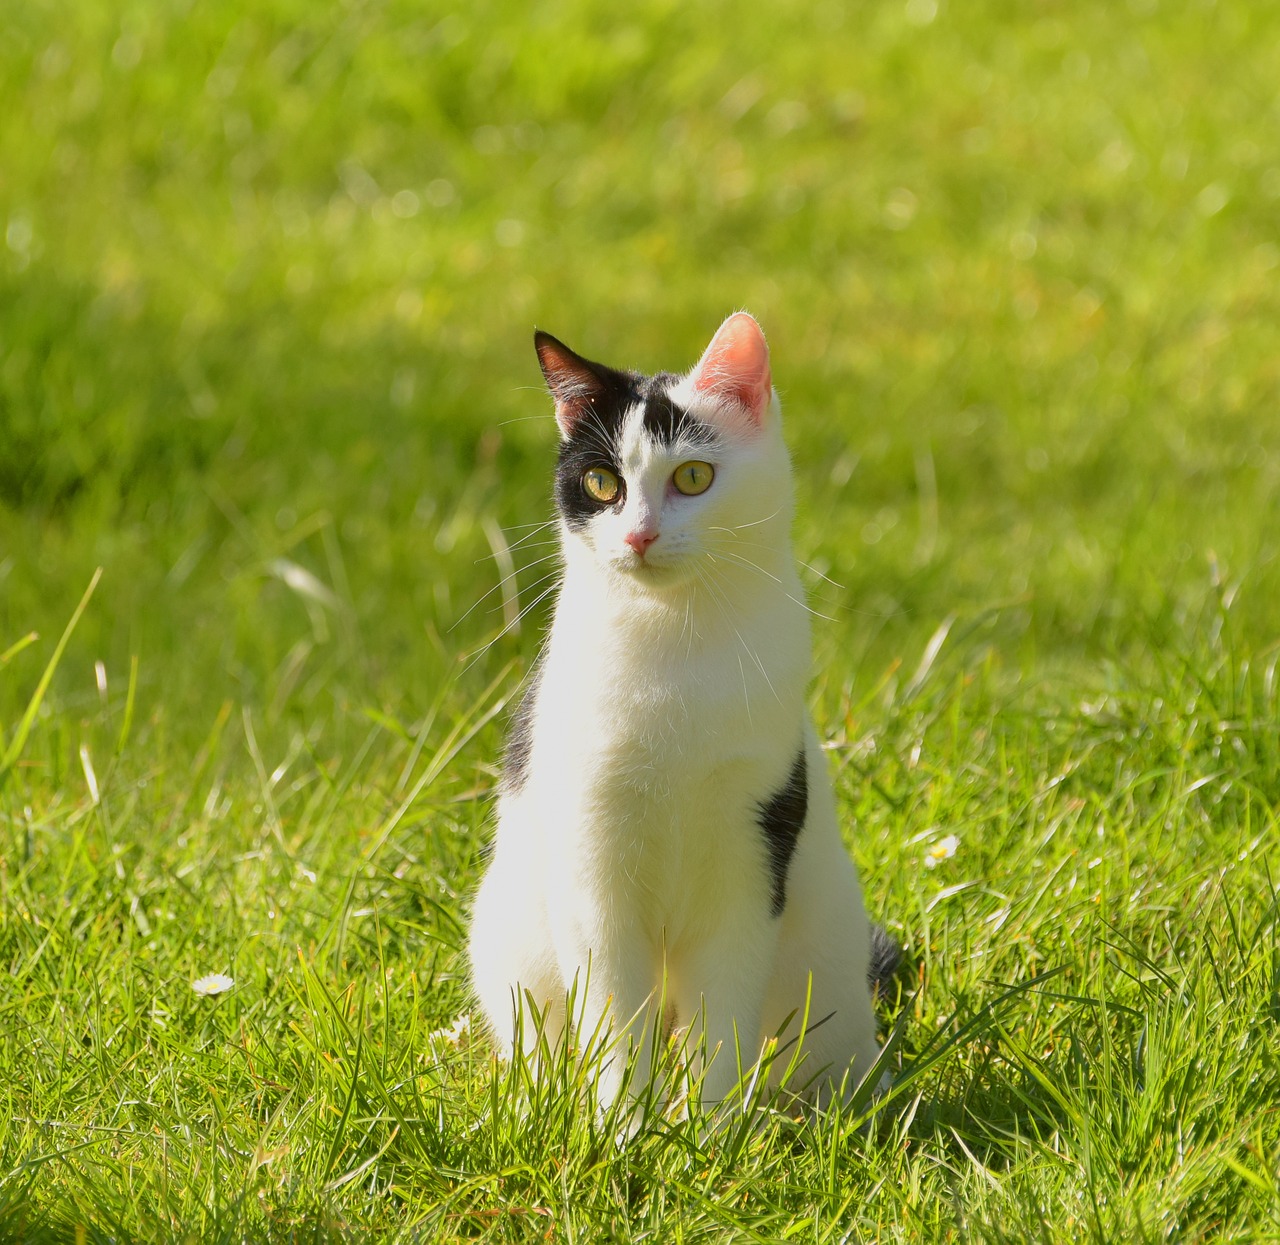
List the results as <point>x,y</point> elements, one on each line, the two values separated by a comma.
<point>268,280</point>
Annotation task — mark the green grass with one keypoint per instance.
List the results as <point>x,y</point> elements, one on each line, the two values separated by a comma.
<point>268,276</point>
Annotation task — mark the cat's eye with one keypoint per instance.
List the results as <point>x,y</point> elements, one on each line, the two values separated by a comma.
<point>600,484</point>
<point>693,478</point>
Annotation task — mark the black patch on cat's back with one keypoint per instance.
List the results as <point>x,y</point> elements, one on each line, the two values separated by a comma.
<point>782,818</point>
<point>515,757</point>
<point>885,959</point>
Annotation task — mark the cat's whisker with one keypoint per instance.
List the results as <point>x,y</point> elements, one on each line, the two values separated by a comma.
<point>747,564</point>
<point>550,557</point>
<point>808,566</point>
<point>757,544</point>
<point>549,577</point>
<point>770,548</point>
<point>522,419</point>
<point>722,604</point>
<point>813,613</point>
<point>553,580</point>
<point>687,625</point>
<point>525,544</point>
<point>550,543</point>
<point>739,559</point>
<point>590,428</point>
<point>549,521</point>
<point>738,527</point>
<point>716,598</point>
<point>502,556</point>
<point>510,627</point>
<point>515,570</point>
<point>804,605</point>
<point>524,527</point>
<point>750,544</point>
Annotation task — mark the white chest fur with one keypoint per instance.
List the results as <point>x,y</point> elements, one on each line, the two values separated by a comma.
<point>653,740</point>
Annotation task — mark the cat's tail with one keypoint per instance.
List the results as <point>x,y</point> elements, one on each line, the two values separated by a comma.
<point>886,959</point>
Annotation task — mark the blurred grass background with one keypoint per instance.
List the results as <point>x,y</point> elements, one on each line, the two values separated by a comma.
<point>268,278</point>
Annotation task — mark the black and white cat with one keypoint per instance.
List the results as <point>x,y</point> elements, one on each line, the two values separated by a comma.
<point>667,836</point>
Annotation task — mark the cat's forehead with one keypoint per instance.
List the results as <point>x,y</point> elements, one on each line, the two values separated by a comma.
<point>659,432</point>
<point>639,421</point>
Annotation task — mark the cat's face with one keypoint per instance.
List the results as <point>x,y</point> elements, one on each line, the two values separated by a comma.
<point>666,480</point>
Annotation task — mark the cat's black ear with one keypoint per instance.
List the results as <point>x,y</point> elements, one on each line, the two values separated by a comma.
<point>734,368</point>
<point>577,384</point>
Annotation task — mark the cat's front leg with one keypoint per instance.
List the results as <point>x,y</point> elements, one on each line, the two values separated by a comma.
<point>514,973</point>
<point>616,1003</point>
<point>719,995</point>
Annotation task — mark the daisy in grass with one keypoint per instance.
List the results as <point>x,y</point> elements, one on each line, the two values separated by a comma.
<point>212,983</point>
<point>942,850</point>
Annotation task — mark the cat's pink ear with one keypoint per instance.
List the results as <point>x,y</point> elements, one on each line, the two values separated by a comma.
<point>735,367</point>
<point>576,383</point>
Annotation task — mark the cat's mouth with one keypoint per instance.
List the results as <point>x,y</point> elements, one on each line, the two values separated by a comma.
<point>638,564</point>
<point>648,569</point>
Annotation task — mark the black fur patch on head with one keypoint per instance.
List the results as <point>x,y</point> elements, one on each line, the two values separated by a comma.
<point>782,818</point>
<point>667,421</point>
<point>606,396</point>
<point>593,442</point>
<point>515,759</point>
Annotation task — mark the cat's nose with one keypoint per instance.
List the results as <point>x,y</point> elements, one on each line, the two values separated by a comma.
<point>640,541</point>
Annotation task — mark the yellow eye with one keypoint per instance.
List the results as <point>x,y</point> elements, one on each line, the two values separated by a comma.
<point>600,484</point>
<point>693,478</point>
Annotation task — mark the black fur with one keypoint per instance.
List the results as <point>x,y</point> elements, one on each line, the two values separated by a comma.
<point>886,958</point>
<point>667,421</point>
<point>782,818</point>
<point>602,397</point>
<point>593,444</point>
<point>515,758</point>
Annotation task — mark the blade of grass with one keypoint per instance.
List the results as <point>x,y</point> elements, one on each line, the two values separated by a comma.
<point>14,751</point>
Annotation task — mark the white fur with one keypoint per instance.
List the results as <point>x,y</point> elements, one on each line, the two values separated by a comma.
<point>671,701</point>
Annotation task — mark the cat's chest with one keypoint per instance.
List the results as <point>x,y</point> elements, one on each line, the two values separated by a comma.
<point>657,702</point>
<point>654,731</point>
<point>652,792</point>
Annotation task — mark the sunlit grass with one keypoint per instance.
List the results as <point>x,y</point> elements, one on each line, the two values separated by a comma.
<point>267,285</point>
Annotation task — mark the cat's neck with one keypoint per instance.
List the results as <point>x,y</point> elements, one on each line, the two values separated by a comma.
<point>732,650</point>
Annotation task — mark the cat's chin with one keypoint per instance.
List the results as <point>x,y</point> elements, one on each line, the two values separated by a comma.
<point>656,576</point>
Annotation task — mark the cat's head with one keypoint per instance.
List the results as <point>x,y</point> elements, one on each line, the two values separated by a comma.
<point>665,479</point>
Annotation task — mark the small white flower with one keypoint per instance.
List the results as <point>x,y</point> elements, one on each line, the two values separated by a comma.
<point>212,983</point>
<point>942,850</point>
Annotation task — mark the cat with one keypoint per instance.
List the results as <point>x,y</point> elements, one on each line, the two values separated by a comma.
<point>667,850</point>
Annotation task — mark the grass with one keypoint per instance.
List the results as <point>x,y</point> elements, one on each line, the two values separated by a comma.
<point>266,291</point>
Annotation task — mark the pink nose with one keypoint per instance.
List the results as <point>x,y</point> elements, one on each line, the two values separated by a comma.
<point>640,541</point>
